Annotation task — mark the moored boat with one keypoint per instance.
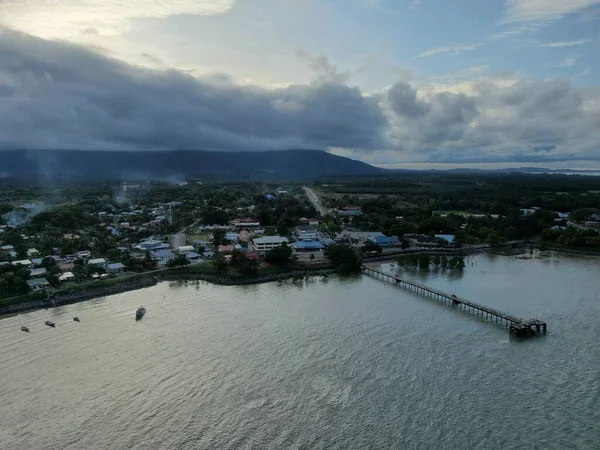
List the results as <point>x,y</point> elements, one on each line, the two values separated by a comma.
<point>140,313</point>
<point>25,329</point>
<point>76,319</point>
<point>50,324</point>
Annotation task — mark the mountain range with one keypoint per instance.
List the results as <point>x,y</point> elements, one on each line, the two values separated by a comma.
<point>175,164</point>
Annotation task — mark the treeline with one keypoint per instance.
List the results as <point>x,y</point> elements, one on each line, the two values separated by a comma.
<point>424,262</point>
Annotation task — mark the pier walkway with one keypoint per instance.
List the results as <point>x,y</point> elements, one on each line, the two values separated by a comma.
<point>518,326</point>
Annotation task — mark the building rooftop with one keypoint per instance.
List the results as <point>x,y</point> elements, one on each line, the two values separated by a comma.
<point>97,261</point>
<point>308,245</point>
<point>38,282</point>
<point>23,262</point>
<point>270,240</point>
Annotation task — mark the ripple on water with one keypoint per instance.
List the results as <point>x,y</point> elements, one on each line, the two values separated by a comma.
<point>337,364</point>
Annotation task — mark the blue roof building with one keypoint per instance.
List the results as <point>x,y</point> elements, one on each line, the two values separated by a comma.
<point>270,197</point>
<point>449,238</point>
<point>308,246</point>
<point>385,241</point>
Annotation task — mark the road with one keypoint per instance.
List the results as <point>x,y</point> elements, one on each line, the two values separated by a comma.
<point>314,199</point>
<point>180,239</point>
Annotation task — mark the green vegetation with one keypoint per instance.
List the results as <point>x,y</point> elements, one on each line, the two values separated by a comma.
<point>343,258</point>
<point>477,208</point>
<point>280,256</point>
<point>424,262</point>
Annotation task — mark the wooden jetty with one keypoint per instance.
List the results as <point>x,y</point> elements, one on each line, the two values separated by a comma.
<point>518,327</point>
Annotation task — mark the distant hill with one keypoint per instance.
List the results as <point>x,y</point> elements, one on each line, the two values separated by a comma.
<point>126,165</point>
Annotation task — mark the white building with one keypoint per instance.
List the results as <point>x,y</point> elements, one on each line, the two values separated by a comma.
<point>67,276</point>
<point>264,244</point>
<point>38,283</point>
<point>247,225</point>
<point>306,233</point>
<point>100,262</point>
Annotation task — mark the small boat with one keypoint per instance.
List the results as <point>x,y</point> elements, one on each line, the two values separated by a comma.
<point>50,324</point>
<point>25,329</point>
<point>76,319</point>
<point>140,313</point>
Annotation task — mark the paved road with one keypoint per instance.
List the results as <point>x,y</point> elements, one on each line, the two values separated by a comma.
<point>180,239</point>
<point>314,199</point>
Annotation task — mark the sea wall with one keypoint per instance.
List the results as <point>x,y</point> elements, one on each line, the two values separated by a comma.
<point>148,280</point>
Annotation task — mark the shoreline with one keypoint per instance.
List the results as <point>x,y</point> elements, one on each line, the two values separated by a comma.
<point>148,280</point>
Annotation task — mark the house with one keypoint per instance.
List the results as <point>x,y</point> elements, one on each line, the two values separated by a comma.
<point>244,236</point>
<point>98,262</point>
<point>162,256</point>
<point>151,244</point>
<point>265,244</point>
<point>32,252</point>
<point>36,273</point>
<point>313,222</point>
<point>303,220</point>
<point>7,248</point>
<point>185,249</point>
<point>246,224</point>
<point>281,191</point>
<point>24,262</point>
<point>113,230</point>
<point>385,241</point>
<point>66,267</point>
<point>231,237</point>
<point>226,249</point>
<point>38,284</point>
<point>84,254</point>
<point>71,236</point>
<point>308,246</point>
<point>115,268</point>
<point>449,238</point>
<point>37,261</point>
<point>351,211</point>
<point>193,256</point>
<point>327,241</point>
<point>306,233</point>
<point>67,276</point>
<point>270,197</point>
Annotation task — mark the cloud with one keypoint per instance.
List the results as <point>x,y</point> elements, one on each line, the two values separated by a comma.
<point>500,119</point>
<point>567,43</point>
<point>454,49</point>
<point>543,10</point>
<point>65,18</point>
<point>59,95</point>
<point>323,68</point>
<point>568,62</point>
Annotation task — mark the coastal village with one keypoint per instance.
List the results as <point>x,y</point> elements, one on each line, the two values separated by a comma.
<point>146,238</point>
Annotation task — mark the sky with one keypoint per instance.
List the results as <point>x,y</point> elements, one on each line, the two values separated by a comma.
<point>402,83</point>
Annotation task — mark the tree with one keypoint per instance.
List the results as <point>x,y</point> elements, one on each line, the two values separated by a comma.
<point>280,255</point>
<point>343,257</point>
<point>312,257</point>
<point>178,261</point>
<point>48,263</point>
<point>404,244</point>
<point>219,262</point>
<point>218,236</point>
<point>371,247</point>
<point>492,238</point>
<point>10,285</point>
<point>424,262</point>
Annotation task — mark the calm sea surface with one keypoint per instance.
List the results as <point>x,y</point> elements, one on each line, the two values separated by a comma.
<point>320,364</point>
